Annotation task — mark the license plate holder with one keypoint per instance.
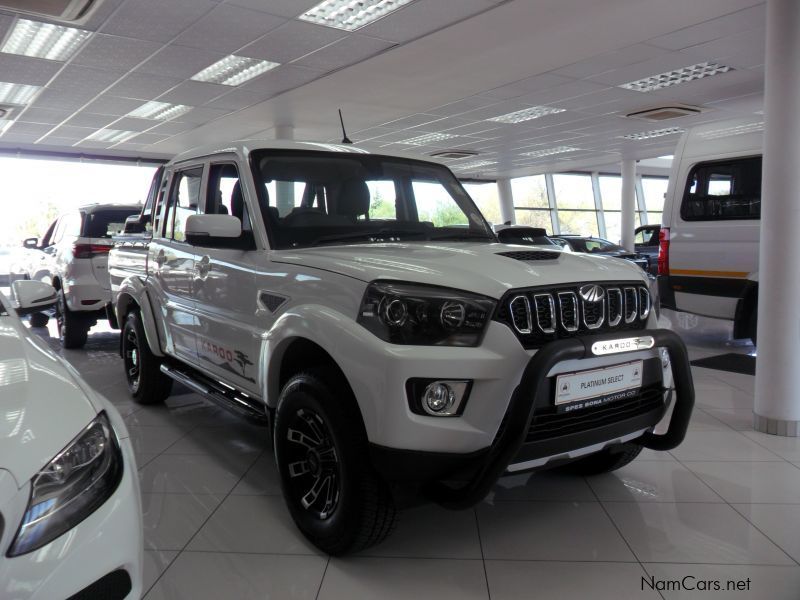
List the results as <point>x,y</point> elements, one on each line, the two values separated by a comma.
<point>595,387</point>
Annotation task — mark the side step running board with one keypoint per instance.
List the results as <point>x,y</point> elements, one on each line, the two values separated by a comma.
<point>220,394</point>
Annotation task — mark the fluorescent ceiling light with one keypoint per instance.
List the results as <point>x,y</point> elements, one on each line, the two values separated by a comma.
<point>670,78</point>
<point>234,70</point>
<point>729,131</point>
<point>350,14</point>
<point>44,40</point>
<point>550,151</point>
<point>428,138</point>
<point>162,111</point>
<point>474,165</point>
<point>17,93</point>
<point>112,136</point>
<point>654,133</point>
<point>534,112</point>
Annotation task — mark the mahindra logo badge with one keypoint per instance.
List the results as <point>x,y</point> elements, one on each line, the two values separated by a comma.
<point>592,293</point>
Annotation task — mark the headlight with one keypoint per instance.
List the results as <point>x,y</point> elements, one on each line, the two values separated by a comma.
<point>405,313</point>
<point>70,487</point>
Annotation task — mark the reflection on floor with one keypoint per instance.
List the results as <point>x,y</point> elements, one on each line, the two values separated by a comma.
<point>723,506</point>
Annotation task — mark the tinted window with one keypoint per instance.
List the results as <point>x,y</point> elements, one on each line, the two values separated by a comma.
<point>723,190</point>
<point>107,223</point>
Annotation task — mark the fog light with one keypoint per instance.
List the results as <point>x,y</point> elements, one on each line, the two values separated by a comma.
<point>438,398</point>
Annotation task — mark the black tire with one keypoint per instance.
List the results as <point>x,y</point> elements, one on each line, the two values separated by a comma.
<point>330,487</point>
<point>39,320</point>
<point>146,383</point>
<point>605,461</point>
<point>73,329</point>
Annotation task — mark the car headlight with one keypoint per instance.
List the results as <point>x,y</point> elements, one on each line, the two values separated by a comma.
<point>70,487</point>
<point>405,313</point>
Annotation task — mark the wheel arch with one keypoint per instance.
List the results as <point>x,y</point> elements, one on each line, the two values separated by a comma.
<point>132,295</point>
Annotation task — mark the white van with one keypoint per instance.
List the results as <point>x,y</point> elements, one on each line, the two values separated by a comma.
<point>708,255</point>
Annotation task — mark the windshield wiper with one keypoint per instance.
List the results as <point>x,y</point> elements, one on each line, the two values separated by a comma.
<point>377,235</point>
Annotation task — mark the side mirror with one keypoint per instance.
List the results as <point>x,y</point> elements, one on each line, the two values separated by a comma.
<point>135,224</point>
<point>31,243</point>
<point>214,231</point>
<point>33,296</point>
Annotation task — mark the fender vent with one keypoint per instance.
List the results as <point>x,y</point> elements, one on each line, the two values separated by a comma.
<point>531,255</point>
<point>270,301</point>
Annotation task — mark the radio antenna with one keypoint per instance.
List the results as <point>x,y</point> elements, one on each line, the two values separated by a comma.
<point>345,139</point>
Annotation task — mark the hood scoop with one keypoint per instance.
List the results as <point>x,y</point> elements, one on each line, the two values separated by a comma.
<point>528,255</point>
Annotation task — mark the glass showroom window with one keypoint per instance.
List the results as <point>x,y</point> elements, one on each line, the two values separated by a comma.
<point>575,202</point>
<point>654,189</point>
<point>486,199</point>
<point>530,202</point>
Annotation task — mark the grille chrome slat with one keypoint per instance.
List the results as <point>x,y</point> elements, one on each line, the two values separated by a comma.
<point>644,303</point>
<point>550,307</point>
<point>614,306</point>
<point>568,311</point>
<point>521,314</point>
<point>631,304</point>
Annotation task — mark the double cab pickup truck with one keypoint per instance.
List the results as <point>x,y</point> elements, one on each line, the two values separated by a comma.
<point>361,308</point>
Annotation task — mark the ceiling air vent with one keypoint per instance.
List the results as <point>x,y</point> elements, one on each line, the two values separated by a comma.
<point>663,113</point>
<point>62,10</point>
<point>452,154</point>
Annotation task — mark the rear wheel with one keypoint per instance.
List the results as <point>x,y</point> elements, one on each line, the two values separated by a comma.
<point>605,461</point>
<point>39,320</point>
<point>334,496</point>
<point>146,383</point>
<point>73,329</point>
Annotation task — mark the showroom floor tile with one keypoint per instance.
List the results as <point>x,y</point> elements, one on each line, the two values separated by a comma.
<point>724,506</point>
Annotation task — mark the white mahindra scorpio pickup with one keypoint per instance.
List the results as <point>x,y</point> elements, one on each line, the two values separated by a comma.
<point>360,306</point>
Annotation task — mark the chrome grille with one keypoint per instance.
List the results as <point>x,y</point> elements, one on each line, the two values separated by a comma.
<point>539,315</point>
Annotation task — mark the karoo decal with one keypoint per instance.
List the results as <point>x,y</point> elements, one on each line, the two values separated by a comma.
<point>228,356</point>
<point>623,345</point>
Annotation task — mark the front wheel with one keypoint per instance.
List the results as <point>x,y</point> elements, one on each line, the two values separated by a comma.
<point>39,320</point>
<point>333,494</point>
<point>146,383</point>
<point>607,460</point>
<point>73,329</point>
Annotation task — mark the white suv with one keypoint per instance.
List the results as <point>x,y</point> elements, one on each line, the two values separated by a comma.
<point>360,306</point>
<point>75,258</point>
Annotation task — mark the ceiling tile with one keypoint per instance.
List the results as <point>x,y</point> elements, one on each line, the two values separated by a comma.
<point>133,124</point>
<point>18,138</point>
<point>202,115</point>
<point>114,52</point>
<point>37,129</point>
<point>179,61</point>
<point>660,64</point>
<point>281,79</point>
<point>350,50</point>
<point>228,28</point>
<point>193,93</point>
<point>30,71</point>
<point>237,99</point>
<point>172,128</point>
<point>92,144</point>
<point>421,17</point>
<point>62,100</point>
<point>749,18</point>
<point>291,41</point>
<point>283,8</point>
<point>44,115</point>
<point>156,20</point>
<point>101,13</point>
<point>148,138</point>
<point>74,79</point>
<point>86,119</point>
<point>463,106</point>
<point>74,133</point>
<point>526,86</point>
<point>143,86</point>
<point>113,105</point>
<point>739,50</point>
<point>609,61</point>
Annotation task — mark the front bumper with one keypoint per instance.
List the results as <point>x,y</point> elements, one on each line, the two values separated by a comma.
<point>515,448</point>
<point>88,558</point>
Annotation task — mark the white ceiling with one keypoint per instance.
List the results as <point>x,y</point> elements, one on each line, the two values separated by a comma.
<point>433,66</point>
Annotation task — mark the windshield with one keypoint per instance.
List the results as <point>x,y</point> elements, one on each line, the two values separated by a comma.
<point>592,245</point>
<point>315,198</point>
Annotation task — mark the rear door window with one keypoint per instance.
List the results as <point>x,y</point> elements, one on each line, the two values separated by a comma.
<point>723,190</point>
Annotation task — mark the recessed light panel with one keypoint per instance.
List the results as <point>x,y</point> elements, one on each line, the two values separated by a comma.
<point>670,78</point>
<point>44,40</point>
<point>654,133</point>
<point>474,165</point>
<point>550,151</point>
<point>729,131</point>
<point>527,114</point>
<point>161,111</point>
<point>112,136</point>
<point>234,70</point>
<point>16,93</point>
<point>350,14</point>
<point>428,138</point>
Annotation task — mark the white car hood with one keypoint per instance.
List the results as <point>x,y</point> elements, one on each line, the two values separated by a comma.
<point>42,406</point>
<point>474,267</point>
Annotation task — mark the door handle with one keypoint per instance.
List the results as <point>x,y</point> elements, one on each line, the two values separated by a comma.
<point>161,258</point>
<point>203,267</point>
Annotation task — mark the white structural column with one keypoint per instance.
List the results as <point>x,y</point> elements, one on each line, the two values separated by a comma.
<point>777,402</point>
<point>284,191</point>
<point>628,171</point>
<point>506,195</point>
